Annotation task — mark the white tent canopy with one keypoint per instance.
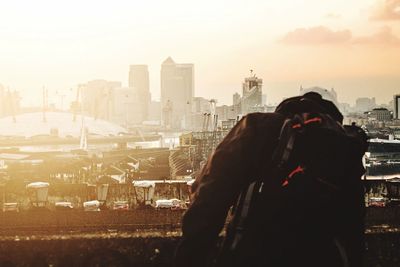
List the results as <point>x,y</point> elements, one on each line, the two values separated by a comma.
<point>144,183</point>
<point>36,185</point>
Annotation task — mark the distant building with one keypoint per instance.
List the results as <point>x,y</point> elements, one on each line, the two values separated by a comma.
<point>226,113</point>
<point>364,104</point>
<point>357,118</point>
<point>237,104</point>
<point>127,108</point>
<point>264,100</point>
<point>177,91</point>
<point>154,111</point>
<point>110,101</point>
<point>380,114</point>
<point>98,98</point>
<point>252,99</point>
<point>139,81</point>
<point>200,105</point>
<point>345,108</point>
<point>236,99</point>
<point>228,124</point>
<point>9,102</point>
<point>330,95</point>
<point>396,106</point>
<point>390,105</point>
<point>252,94</point>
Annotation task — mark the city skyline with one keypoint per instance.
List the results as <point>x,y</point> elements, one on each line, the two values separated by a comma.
<point>62,99</point>
<point>354,48</point>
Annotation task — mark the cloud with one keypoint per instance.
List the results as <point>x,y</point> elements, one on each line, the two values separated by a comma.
<point>386,10</point>
<point>384,36</point>
<point>316,35</point>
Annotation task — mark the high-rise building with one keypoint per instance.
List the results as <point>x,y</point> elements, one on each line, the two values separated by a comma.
<point>252,94</point>
<point>98,98</point>
<point>139,81</point>
<point>126,107</point>
<point>9,102</point>
<point>236,99</point>
<point>364,104</point>
<point>155,112</point>
<point>177,91</point>
<point>396,103</point>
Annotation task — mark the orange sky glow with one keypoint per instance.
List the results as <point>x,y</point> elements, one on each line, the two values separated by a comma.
<point>352,46</point>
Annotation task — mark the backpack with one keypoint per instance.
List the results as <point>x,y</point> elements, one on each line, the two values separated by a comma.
<point>307,209</point>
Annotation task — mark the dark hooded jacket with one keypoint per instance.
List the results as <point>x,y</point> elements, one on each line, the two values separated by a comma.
<point>244,154</point>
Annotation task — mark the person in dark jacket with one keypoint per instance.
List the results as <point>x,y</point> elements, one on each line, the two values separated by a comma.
<point>243,155</point>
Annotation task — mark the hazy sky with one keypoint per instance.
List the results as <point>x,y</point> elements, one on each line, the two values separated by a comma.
<point>353,46</point>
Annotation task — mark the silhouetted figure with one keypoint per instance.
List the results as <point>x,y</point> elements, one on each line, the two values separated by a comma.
<point>293,180</point>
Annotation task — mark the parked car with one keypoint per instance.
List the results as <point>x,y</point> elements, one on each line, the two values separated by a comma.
<point>93,205</point>
<point>121,205</point>
<point>63,205</point>
<point>377,202</point>
<point>173,204</point>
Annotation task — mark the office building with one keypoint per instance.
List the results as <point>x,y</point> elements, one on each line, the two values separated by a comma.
<point>98,98</point>
<point>252,94</point>
<point>364,104</point>
<point>139,81</point>
<point>127,109</point>
<point>380,114</point>
<point>177,91</point>
<point>396,106</point>
<point>9,102</point>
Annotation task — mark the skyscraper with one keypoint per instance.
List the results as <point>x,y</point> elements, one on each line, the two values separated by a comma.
<point>252,94</point>
<point>177,91</point>
<point>97,98</point>
<point>396,103</point>
<point>139,81</point>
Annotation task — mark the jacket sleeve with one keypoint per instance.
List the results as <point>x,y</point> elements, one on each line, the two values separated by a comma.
<point>227,172</point>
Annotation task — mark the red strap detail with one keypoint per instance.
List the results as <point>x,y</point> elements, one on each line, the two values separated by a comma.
<point>316,119</point>
<point>297,170</point>
<point>296,126</point>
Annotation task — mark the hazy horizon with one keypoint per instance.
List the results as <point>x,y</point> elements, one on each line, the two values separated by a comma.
<point>352,47</point>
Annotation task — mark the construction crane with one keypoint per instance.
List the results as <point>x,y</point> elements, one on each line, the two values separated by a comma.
<point>206,122</point>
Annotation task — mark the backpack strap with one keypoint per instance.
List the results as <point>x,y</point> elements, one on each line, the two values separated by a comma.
<point>245,208</point>
<point>342,252</point>
<point>287,151</point>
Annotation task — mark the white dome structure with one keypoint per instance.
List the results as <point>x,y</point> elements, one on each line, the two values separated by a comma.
<point>58,123</point>
<point>325,93</point>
